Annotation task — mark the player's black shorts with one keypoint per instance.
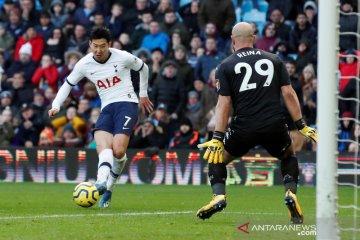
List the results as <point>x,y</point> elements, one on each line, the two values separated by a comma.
<point>275,139</point>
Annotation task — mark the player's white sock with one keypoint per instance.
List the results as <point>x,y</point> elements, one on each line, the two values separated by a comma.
<point>115,172</point>
<point>105,165</point>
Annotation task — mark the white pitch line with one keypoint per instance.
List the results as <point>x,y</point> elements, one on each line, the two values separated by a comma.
<point>124,214</point>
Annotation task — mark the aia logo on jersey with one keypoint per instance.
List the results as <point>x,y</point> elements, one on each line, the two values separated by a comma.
<point>108,82</point>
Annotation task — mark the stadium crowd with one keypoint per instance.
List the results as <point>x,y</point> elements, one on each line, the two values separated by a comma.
<point>182,41</point>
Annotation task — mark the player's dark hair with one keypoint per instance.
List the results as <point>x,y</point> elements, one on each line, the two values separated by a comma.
<point>100,32</point>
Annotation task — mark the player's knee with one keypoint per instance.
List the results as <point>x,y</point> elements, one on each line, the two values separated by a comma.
<point>119,152</point>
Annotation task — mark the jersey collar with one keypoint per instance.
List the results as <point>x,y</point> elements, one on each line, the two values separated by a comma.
<point>103,61</point>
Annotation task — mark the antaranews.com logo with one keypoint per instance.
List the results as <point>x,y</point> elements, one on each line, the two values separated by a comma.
<point>300,229</point>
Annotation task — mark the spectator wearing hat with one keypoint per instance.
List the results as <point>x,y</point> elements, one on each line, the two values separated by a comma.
<point>155,38</point>
<point>46,137</point>
<point>148,135</point>
<point>45,27</point>
<point>6,39</point>
<point>6,101</point>
<point>169,89</point>
<point>162,119</point>
<point>186,137</point>
<point>282,29</point>
<point>22,93</point>
<point>211,58</point>
<point>141,29</point>
<point>46,75</point>
<point>310,9</point>
<point>58,15</point>
<point>282,50</point>
<point>24,64</point>
<point>348,23</point>
<point>32,42</point>
<point>185,72</point>
<point>6,128</point>
<point>302,31</point>
<point>71,117</point>
<point>28,132</point>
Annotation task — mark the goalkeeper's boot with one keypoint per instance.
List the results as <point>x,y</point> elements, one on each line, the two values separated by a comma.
<point>296,216</point>
<point>216,205</point>
<point>105,200</point>
<point>101,187</point>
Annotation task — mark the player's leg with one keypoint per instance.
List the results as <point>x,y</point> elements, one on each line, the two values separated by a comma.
<point>278,143</point>
<point>234,145</point>
<point>103,141</point>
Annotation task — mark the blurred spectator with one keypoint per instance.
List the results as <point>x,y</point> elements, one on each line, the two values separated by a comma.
<point>15,25</point>
<point>268,39</point>
<point>5,10</point>
<point>305,55</point>
<point>36,42</point>
<point>285,6</point>
<point>209,60</point>
<point>175,40</point>
<point>58,14</point>
<point>55,45</point>
<point>68,138</point>
<point>211,31</point>
<point>307,74</point>
<point>168,89</point>
<point>85,15</point>
<point>310,102</point>
<point>94,116</point>
<point>157,58</point>
<point>99,20</point>
<point>70,58</point>
<point>208,96</point>
<point>302,31</point>
<point>49,95</point>
<point>78,41</point>
<point>351,90</point>
<point>6,128</point>
<point>172,24</point>
<point>6,101</point>
<point>195,44</point>
<point>186,137</point>
<point>114,21</point>
<point>29,14</point>
<point>24,64</point>
<point>355,135</point>
<point>189,14</point>
<point>349,67</point>
<point>21,93</point>
<point>282,29</point>
<point>141,29</point>
<point>221,13</point>
<point>195,112</point>
<point>6,39</point>
<point>282,50</point>
<point>38,103</point>
<point>184,73</point>
<point>163,7</point>
<point>346,129</point>
<point>46,75</point>
<point>148,135</point>
<point>310,9</point>
<point>28,132</point>
<point>132,16</point>
<point>84,109</point>
<point>46,137</point>
<point>155,38</point>
<point>125,42</point>
<point>72,119</point>
<point>90,93</point>
<point>161,118</point>
<point>45,27</point>
<point>348,23</point>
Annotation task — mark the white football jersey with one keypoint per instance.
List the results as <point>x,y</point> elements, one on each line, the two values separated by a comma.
<point>112,78</point>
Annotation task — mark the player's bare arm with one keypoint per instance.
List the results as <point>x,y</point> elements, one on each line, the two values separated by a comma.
<point>293,106</point>
<point>222,111</point>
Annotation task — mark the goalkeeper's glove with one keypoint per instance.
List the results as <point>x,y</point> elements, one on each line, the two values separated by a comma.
<point>214,149</point>
<point>307,131</point>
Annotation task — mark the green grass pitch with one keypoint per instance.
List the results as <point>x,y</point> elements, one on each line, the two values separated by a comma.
<point>47,211</point>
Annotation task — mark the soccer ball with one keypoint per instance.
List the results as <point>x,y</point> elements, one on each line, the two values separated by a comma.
<point>85,194</point>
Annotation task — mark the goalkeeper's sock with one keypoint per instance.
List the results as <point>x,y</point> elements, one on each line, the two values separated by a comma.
<point>290,172</point>
<point>217,175</point>
<point>290,184</point>
<point>105,164</point>
<point>115,172</point>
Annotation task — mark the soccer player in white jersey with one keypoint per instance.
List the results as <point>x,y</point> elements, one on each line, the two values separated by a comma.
<point>109,69</point>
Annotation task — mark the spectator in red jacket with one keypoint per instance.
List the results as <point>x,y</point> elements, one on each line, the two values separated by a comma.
<point>348,68</point>
<point>36,41</point>
<point>46,75</point>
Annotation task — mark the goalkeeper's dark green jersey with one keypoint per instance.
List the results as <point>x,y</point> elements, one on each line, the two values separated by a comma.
<point>253,79</point>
